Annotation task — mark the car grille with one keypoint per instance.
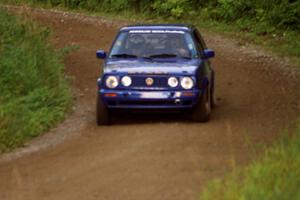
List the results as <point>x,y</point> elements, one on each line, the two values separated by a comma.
<point>159,82</point>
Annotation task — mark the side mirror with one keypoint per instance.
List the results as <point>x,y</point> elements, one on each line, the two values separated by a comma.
<point>101,54</point>
<point>209,53</point>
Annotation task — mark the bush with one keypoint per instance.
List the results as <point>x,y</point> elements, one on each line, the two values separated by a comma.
<point>170,8</point>
<point>281,14</point>
<point>34,92</point>
<point>274,15</point>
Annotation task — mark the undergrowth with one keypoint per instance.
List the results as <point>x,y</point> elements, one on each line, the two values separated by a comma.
<point>34,92</point>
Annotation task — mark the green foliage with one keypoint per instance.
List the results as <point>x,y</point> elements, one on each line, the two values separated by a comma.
<point>280,14</point>
<point>276,22</point>
<point>171,8</point>
<point>34,93</point>
<point>274,14</point>
<point>276,176</point>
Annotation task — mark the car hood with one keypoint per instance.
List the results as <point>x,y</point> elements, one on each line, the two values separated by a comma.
<point>138,67</point>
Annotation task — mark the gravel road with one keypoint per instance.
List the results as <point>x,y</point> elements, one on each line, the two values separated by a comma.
<point>149,156</point>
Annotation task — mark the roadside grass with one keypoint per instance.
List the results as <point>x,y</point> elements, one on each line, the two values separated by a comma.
<point>285,44</point>
<point>275,176</point>
<point>34,92</point>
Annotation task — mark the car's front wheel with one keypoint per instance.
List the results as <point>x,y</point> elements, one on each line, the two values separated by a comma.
<point>203,109</point>
<point>102,113</point>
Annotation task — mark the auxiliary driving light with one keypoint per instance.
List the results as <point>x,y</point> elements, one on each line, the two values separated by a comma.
<point>172,82</point>
<point>126,81</point>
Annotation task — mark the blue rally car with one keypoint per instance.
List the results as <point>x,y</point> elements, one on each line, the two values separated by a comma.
<point>156,67</point>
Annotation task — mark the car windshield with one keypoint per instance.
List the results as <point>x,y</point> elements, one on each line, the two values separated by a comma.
<point>151,44</point>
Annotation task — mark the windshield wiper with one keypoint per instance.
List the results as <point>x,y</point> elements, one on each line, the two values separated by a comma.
<point>185,57</point>
<point>123,55</point>
<point>146,58</point>
<point>163,55</point>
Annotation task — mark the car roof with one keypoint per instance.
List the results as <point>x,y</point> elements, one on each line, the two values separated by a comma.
<point>178,27</point>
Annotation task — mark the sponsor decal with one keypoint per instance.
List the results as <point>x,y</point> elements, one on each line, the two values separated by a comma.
<point>156,31</point>
<point>147,72</point>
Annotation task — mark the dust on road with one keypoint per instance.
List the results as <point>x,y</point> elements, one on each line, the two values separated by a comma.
<point>152,157</point>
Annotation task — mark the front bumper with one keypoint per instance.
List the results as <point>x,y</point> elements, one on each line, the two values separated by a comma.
<point>121,99</point>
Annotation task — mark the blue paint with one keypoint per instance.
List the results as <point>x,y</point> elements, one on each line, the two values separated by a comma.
<point>101,54</point>
<point>209,53</point>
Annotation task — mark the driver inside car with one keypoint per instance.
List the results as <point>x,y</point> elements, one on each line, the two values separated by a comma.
<point>178,47</point>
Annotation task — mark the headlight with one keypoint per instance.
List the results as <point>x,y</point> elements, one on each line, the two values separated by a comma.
<point>187,83</point>
<point>172,82</point>
<point>126,81</point>
<point>112,82</point>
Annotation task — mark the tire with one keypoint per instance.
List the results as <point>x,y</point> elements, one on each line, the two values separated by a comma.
<point>212,92</point>
<point>203,109</point>
<point>102,114</point>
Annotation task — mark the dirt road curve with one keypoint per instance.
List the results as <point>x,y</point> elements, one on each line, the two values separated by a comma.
<point>150,157</point>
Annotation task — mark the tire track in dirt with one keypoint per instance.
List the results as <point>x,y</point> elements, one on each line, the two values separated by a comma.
<point>150,157</point>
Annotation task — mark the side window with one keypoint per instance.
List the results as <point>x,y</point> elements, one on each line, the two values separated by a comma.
<point>196,36</point>
<point>200,39</point>
<point>198,43</point>
<point>191,45</point>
